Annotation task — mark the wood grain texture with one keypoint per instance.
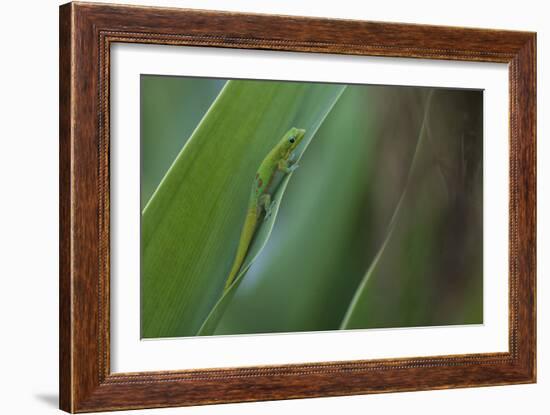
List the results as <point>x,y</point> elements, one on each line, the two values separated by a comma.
<point>86,33</point>
<point>65,248</point>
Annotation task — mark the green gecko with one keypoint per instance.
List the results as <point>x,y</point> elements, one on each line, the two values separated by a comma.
<point>280,161</point>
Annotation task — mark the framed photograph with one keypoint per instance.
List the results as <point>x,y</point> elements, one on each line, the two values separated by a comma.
<point>259,207</point>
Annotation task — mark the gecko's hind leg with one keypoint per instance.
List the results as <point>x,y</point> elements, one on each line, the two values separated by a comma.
<point>267,205</point>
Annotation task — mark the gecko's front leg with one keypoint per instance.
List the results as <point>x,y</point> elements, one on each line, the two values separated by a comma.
<point>292,158</point>
<point>287,166</point>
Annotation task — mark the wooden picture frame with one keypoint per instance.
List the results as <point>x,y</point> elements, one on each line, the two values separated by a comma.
<point>86,33</point>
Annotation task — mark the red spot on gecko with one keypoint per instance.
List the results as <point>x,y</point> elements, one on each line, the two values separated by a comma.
<point>260,182</point>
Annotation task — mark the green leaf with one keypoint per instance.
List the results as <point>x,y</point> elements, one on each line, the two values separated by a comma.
<point>191,225</point>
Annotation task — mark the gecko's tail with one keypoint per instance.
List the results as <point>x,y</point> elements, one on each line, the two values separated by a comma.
<point>234,269</point>
<point>247,233</point>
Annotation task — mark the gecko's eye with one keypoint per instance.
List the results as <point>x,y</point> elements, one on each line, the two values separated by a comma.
<point>292,139</point>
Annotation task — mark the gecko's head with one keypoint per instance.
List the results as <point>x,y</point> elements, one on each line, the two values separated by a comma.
<point>292,139</point>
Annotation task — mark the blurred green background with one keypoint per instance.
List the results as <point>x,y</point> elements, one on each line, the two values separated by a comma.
<point>381,226</point>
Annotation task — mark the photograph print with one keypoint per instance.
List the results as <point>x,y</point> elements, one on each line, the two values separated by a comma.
<point>282,206</point>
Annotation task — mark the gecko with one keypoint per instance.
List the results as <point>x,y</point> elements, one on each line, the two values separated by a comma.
<point>279,162</point>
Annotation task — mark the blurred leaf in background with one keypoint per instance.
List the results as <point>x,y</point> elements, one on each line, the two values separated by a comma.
<point>429,270</point>
<point>381,226</point>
